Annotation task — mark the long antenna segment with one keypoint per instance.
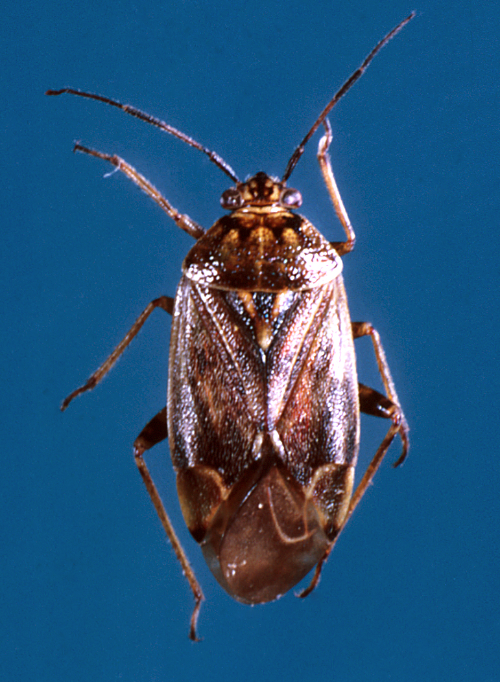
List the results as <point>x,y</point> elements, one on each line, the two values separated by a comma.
<point>132,111</point>
<point>338,95</point>
<point>213,156</point>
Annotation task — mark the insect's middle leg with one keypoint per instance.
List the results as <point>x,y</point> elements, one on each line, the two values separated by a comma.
<point>374,403</point>
<point>164,302</point>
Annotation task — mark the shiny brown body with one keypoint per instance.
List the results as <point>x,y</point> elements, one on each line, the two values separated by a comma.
<point>263,415</point>
<point>263,400</point>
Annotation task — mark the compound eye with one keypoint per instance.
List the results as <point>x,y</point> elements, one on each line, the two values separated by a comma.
<point>231,199</point>
<point>291,198</point>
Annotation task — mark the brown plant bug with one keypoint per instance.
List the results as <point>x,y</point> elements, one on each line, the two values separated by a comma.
<point>263,401</point>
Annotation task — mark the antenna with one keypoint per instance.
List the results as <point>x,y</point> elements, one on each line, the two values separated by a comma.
<point>338,95</point>
<point>132,111</point>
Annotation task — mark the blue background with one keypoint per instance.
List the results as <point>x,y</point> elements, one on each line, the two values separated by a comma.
<point>89,588</point>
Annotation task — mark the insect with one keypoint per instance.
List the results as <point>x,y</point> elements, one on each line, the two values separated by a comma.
<point>263,400</point>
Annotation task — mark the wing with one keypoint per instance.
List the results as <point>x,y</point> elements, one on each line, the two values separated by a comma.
<point>216,395</point>
<point>312,392</point>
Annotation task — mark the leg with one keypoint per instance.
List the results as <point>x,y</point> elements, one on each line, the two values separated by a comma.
<point>164,302</point>
<point>371,404</point>
<point>374,403</point>
<point>152,120</point>
<point>182,221</point>
<point>326,169</point>
<point>154,432</point>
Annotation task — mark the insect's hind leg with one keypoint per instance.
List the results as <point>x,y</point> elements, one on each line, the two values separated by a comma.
<point>154,432</point>
<point>374,403</point>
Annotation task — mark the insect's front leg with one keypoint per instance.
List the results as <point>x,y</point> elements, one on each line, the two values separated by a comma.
<point>183,221</point>
<point>164,302</point>
<point>331,185</point>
